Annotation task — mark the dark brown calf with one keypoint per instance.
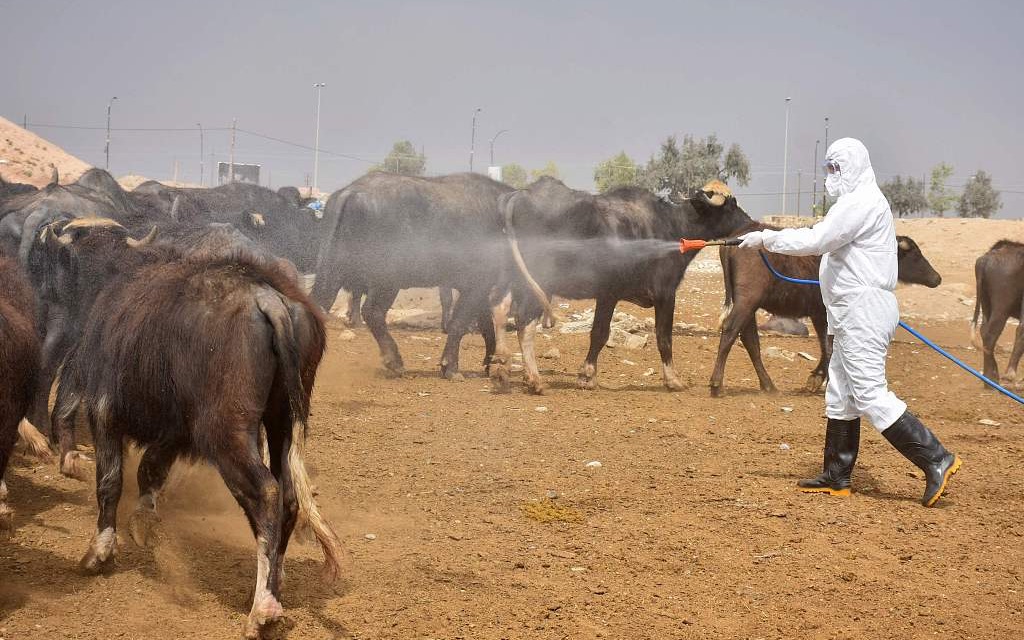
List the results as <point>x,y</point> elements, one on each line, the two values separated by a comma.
<point>191,357</point>
<point>999,277</point>
<point>19,368</point>
<point>750,286</point>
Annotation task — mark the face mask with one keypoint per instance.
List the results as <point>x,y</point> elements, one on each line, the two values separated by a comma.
<point>833,184</point>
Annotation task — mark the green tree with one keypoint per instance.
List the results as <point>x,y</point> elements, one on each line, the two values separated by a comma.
<point>905,196</point>
<point>550,169</point>
<point>617,171</point>
<point>684,169</point>
<point>403,159</point>
<point>979,199</point>
<point>940,197</point>
<point>514,175</point>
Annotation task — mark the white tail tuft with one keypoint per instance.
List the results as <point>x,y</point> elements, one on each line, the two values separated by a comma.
<point>726,310</point>
<point>309,512</point>
<point>34,441</point>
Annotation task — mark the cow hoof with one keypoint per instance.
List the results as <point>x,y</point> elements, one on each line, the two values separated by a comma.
<point>717,391</point>
<point>74,465</point>
<point>814,383</point>
<point>771,390</point>
<point>501,381</point>
<point>265,610</point>
<point>674,385</point>
<point>142,526</point>
<point>94,562</point>
<point>6,522</point>
<point>586,383</point>
<point>394,372</point>
<point>535,387</point>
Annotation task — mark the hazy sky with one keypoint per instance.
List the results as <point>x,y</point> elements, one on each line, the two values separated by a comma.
<point>576,82</point>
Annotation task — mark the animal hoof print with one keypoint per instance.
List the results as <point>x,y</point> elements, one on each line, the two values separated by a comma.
<point>143,527</point>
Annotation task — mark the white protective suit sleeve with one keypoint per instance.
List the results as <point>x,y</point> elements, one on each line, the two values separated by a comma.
<point>838,228</point>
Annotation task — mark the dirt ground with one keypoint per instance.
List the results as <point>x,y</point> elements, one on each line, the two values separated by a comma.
<point>689,528</point>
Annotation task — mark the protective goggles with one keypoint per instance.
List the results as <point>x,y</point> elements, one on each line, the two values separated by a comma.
<point>831,167</point>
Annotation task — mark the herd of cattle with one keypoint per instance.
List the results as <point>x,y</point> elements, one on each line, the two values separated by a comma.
<point>177,319</point>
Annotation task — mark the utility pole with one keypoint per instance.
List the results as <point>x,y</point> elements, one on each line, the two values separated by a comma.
<point>175,171</point>
<point>814,185</point>
<point>492,144</point>
<point>824,192</point>
<point>785,158</point>
<point>231,158</point>
<point>799,173</point>
<point>472,138</point>
<point>24,122</point>
<point>202,167</point>
<point>106,150</point>
<point>316,140</point>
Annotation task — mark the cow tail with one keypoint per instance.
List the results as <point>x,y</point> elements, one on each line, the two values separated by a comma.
<point>34,441</point>
<point>979,275</point>
<point>535,288</point>
<point>724,257</point>
<point>274,308</point>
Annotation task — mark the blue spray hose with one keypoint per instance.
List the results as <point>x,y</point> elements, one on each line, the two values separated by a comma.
<point>913,332</point>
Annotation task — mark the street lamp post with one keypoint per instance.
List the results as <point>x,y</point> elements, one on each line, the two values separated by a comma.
<point>472,139</point>
<point>814,183</point>
<point>492,144</point>
<point>316,140</point>
<point>785,159</point>
<point>824,193</point>
<point>106,150</point>
<point>202,165</point>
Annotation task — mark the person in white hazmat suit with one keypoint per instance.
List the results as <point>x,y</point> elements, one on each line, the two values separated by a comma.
<point>857,242</point>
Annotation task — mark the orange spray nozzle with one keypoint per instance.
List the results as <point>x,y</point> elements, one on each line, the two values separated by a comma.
<point>696,245</point>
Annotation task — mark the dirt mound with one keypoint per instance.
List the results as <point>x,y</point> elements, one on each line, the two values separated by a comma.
<point>27,158</point>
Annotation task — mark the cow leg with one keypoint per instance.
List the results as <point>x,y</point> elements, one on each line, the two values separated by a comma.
<point>664,313</point>
<point>483,321</point>
<point>499,370</point>
<point>1011,376</point>
<point>739,316</point>
<point>8,436</point>
<point>65,411</point>
<point>599,333</point>
<point>991,329</point>
<point>279,441</point>
<point>355,301</point>
<point>109,458</point>
<point>375,313</point>
<point>446,295</point>
<point>752,343</point>
<point>820,372</point>
<point>527,335</point>
<point>258,494</point>
<point>156,463</point>
<point>466,308</point>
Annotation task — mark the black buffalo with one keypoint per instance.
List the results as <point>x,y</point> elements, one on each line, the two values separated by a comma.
<point>749,286</point>
<point>999,279</point>
<point>389,232</point>
<point>190,357</point>
<point>618,246</point>
<point>19,367</point>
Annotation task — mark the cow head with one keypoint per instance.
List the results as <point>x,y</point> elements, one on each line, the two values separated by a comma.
<point>73,260</point>
<point>914,268</point>
<point>718,211</point>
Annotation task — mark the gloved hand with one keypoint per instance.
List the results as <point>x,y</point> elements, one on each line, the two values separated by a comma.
<point>752,240</point>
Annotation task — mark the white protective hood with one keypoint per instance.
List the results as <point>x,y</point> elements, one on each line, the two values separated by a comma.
<point>854,164</point>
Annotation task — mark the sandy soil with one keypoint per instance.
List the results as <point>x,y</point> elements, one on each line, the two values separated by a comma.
<point>690,528</point>
<point>29,158</point>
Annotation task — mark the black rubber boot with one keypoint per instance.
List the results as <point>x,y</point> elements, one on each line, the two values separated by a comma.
<point>920,446</point>
<point>842,441</point>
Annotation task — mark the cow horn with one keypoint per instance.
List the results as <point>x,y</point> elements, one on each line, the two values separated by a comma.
<point>132,242</point>
<point>174,208</point>
<point>50,237</point>
<point>55,176</point>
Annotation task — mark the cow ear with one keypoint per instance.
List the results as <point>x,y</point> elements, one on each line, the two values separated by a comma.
<point>55,176</point>
<point>903,244</point>
<point>174,208</point>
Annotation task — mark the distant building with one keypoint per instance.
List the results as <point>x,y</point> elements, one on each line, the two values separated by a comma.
<point>248,173</point>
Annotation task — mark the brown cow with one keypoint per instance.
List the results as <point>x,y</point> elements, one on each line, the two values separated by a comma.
<point>749,286</point>
<point>190,356</point>
<point>999,277</point>
<point>19,368</point>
